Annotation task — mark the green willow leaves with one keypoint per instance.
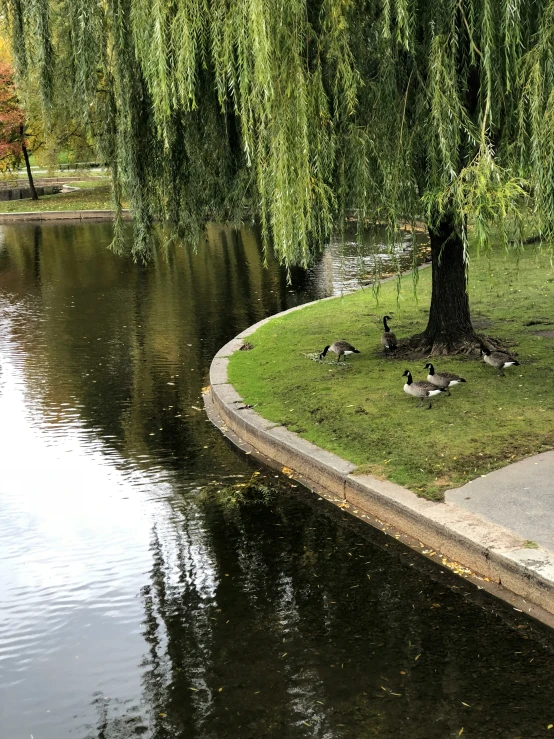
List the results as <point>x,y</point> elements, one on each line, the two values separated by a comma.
<point>303,110</point>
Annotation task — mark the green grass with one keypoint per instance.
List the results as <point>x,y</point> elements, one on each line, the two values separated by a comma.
<point>91,184</point>
<point>361,412</point>
<point>92,196</point>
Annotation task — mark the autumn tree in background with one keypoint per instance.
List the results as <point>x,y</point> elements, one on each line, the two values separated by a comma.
<point>13,134</point>
<point>29,127</point>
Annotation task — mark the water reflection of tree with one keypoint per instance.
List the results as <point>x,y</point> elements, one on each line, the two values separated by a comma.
<point>126,724</point>
<point>282,616</point>
<point>274,606</point>
<point>109,336</point>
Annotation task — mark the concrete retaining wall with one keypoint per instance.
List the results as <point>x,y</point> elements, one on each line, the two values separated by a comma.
<point>61,215</point>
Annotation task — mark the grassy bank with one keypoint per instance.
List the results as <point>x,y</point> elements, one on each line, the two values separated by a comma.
<point>361,412</point>
<point>92,195</point>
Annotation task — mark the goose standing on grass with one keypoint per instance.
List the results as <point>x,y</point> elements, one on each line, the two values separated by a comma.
<point>500,360</point>
<point>388,339</point>
<point>442,379</point>
<point>421,389</point>
<point>341,348</point>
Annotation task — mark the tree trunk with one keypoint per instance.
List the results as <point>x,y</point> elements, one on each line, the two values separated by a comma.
<point>34,194</point>
<point>449,330</point>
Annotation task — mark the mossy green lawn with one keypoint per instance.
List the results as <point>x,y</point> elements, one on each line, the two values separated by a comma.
<point>361,412</point>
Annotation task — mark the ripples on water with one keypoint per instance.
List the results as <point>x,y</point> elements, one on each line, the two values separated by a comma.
<point>128,608</point>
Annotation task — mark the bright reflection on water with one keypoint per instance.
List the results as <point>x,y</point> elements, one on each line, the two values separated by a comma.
<point>128,608</point>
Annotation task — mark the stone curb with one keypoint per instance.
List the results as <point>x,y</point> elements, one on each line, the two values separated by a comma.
<point>491,551</point>
<point>61,215</point>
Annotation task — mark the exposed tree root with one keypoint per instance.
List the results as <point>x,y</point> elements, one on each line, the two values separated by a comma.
<point>421,345</point>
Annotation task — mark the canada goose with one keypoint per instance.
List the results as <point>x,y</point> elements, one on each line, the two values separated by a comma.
<point>341,348</point>
<point>500,360</point>
<point>421,389</point>
<point>388,339</point>
<point>442,379</point>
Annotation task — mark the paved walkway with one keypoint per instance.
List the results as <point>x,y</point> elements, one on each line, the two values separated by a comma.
<point>519,497</point>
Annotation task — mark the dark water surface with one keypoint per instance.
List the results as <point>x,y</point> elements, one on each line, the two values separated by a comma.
<point>131,609</point>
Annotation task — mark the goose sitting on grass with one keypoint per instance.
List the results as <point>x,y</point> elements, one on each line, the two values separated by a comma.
<point>388,338</point>
<point>498,359</point>
<point>421,389</point>
<point>442,379</point>
<point>341,348</point>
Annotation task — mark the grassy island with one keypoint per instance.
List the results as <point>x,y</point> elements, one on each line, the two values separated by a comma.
<point>360,411</point>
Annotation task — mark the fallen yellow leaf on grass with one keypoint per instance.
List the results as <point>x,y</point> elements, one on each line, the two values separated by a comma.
<point>163,715</point>
<point>461,731</point>
<point>287,471</point>
<point>205,390</point>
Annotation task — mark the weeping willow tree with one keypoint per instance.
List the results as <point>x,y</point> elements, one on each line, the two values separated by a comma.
<point>303,111</point>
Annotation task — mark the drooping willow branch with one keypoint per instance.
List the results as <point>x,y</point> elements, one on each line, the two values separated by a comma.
<point>302,110</point>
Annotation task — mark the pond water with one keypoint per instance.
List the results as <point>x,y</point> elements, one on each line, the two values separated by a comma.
<point>131,605</point>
